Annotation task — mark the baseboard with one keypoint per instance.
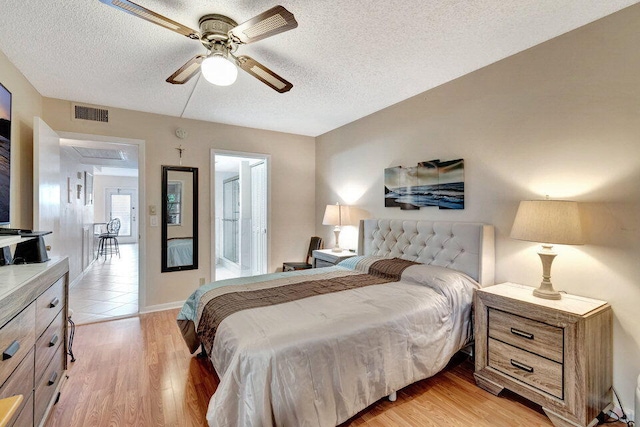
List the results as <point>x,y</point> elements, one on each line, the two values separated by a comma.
<point>81,275</point>
<point>629,412</point>
<point>77,280</point>
<point>161,307</point>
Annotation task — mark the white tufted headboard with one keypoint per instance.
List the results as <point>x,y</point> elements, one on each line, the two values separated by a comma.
<point>466,247</point>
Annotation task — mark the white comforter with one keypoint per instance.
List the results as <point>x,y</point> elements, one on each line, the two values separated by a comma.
<point>318,361</point>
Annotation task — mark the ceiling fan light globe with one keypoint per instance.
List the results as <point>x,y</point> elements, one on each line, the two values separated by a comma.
<point>219,71</point>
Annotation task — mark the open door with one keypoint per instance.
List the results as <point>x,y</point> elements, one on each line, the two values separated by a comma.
<point>239,201</point>
<point>46,180</point>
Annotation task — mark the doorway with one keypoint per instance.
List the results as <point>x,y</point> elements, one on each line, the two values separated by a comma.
<point>109,286</point>
<point>240,223</point>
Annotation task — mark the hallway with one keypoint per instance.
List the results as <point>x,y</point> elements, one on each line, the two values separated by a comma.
<point>109,288</point>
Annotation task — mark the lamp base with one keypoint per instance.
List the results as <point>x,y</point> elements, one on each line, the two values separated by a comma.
<point>336,232</point>
<point>546,290</point>
<point>546,294</point>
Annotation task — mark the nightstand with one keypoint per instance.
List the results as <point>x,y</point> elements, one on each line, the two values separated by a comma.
<point>328,258</point>
<point>556,353</point>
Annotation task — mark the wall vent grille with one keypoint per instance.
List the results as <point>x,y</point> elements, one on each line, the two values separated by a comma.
<point>82,112</point>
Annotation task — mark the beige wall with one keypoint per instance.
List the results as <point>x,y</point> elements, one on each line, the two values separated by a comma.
<point>292,202</point>
<point>563,119</point>
<point>26,103</point>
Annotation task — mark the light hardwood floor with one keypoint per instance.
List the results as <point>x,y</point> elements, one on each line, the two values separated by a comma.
<point>138,372</point>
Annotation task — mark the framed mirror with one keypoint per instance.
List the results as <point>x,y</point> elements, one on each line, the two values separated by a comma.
<point>179,218</point>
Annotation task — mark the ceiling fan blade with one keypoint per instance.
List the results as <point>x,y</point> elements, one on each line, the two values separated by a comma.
<point>149,15</point>
<point>263,74</point>
<point>188,70</point>
<point>274,21</point>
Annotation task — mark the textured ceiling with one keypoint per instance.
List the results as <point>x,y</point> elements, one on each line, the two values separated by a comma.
<point>346,59</point>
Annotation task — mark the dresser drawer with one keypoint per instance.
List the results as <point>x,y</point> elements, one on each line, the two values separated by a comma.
<point>21,382</point>
<point>531,369</point>
<point>48,383</point>
<point>25,418</point>
<point>16,340</point>
<point>48,343</point>
<point>530,335</point>
<point>48,305</point>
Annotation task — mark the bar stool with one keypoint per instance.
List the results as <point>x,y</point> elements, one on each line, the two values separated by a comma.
<point>108,242</point>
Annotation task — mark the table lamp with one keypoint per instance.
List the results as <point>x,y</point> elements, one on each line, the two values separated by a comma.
<point>548,222</point>
<point>336,215</point>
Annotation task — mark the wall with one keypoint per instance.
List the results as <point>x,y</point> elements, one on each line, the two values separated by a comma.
<point>292,173</point>
<point>26,103</point>
<point>75,217</point>
<point>562,119</point>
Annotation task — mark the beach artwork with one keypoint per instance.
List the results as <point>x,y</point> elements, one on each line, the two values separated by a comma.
<point>5,153</point>
<point>430,183</point>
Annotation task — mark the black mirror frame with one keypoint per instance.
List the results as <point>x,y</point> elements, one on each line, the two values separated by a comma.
<point>165,217</point>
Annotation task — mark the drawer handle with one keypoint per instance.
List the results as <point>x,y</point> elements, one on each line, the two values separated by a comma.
<point>522,366</point>
<point>522,334</point>
<point>54,303</point>
<point>11,350</point>
<point>54,340</point>
<point>53,378</point>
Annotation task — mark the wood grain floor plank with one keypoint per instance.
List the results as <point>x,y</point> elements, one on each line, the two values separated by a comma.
<point>138,372</point>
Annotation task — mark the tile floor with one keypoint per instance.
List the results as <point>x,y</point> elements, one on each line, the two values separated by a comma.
<point>109,288</point>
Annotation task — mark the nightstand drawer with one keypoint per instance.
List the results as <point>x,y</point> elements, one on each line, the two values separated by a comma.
<point>329,258</point>
<point>533,336</point>
<point>531,369</point>
<point>321,263</point>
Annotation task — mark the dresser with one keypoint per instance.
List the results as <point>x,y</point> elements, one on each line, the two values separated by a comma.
<point>33,336</point>
<point>328,258</point>
<point>556,353</point>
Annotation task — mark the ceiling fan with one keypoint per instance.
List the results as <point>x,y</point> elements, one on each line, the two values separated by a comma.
<point>222,36</point>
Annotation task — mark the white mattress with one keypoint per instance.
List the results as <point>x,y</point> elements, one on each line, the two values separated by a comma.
<point>318,361</point>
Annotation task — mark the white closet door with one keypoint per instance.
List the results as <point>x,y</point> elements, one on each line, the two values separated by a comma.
<point>259,218</point>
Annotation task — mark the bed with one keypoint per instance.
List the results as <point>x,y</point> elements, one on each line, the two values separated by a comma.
<point>359,331</point>
<point>179,251</point>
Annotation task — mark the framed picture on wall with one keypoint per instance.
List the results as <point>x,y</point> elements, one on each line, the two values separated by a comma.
<point>88,188</point>
<point>5,154</point>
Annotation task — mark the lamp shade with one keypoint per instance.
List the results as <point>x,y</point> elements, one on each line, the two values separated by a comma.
<point>336,215</point>
<point>548,221</point>
<point>219,70</point>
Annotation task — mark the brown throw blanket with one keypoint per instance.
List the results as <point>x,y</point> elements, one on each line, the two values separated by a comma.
<point>222,306</point>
